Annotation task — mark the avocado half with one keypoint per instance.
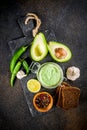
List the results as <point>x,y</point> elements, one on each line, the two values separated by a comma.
<point>53,45</point>
<point>39,48</point>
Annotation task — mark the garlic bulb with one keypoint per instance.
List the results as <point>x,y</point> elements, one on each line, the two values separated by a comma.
<point>20,74</point>
<point>73,73</point>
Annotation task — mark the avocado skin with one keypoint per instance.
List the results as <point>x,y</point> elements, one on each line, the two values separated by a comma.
<point>40,44</point>
<point>52,45</point>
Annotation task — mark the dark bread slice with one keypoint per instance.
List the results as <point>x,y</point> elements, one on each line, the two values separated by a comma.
<point>70,97</point>
<point>58,95</point>
<point>67,96</point>
<point>59,99</point>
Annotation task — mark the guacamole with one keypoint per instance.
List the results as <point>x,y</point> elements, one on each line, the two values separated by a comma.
<point>50,74</point>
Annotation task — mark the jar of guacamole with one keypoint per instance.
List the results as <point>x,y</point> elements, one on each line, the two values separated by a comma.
<point>50,75</point>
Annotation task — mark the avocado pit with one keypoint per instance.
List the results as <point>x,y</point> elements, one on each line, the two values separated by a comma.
<point>60,53</point>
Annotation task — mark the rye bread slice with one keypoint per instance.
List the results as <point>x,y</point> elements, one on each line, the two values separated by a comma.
<point>59,100</point>
<point>58,95</point>
<point>70,97</point>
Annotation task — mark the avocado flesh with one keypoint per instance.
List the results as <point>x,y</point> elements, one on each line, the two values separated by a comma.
<point>39,47</point>
<point>53,45</point>
<point>38,51</point>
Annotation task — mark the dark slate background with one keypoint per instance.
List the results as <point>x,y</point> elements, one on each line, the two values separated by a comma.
<point>68,20</point>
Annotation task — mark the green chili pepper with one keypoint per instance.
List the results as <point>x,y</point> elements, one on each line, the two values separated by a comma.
<point>16,69</point>
<point>16,56</point>
<point>26,66</point>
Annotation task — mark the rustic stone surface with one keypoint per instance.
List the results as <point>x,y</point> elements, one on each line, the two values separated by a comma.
<point>68,19</point>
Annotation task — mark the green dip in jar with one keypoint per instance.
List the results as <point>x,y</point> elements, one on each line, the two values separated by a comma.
<point>50,75</point>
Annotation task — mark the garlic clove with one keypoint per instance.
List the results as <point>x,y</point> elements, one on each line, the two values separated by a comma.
<point>21,74</point>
